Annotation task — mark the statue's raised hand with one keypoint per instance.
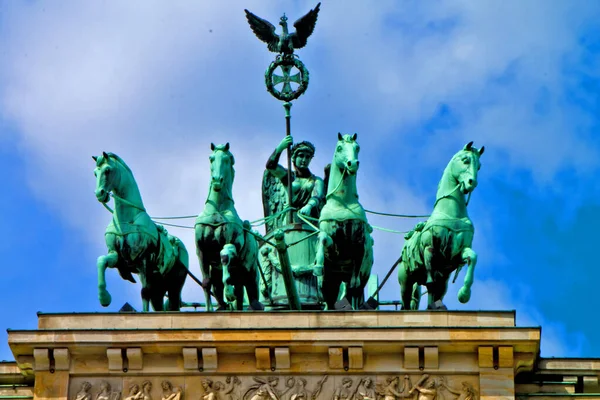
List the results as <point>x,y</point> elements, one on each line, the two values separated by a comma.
<point>285,143</point>
<point>306,210</point>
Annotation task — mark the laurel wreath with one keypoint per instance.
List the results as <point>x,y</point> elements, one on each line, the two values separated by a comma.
<point>286,61</point>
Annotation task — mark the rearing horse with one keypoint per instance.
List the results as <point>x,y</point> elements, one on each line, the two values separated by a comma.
<point>345,246</point>
<point>135,243</point>
<point>438,247</point>
<point>227,253</point>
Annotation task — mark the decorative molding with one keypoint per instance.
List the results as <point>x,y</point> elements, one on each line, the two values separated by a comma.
<point>209,358</point>
<point>115,359</point>
<point>42,359</point>
<point>62,359</point>
<point>486,357</point>
<point>190,358</point>
<point>411,357</point>
<point>431,356</point>
<point>355,357</point>
<point>505,357</point>
<point>336,358</point>
<point>263,358</point>
<point>135,359</point>
<point>282,358</point>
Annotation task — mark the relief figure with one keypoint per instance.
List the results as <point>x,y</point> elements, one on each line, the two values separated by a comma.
<point>170,392</point>
<point>84,392</point>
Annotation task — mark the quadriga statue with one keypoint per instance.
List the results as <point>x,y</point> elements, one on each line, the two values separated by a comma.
<point>435,249</point>
<point>308,197</point>
<point>136,245</point>
<point>227,251</point>
<point>345,246</point>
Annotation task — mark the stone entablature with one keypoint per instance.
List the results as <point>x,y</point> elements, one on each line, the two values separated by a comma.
<point>460,355</point>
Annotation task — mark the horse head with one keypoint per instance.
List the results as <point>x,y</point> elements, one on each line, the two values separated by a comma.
<point>221,166</point>
<point>346,153</point>
<point>464,167</point>
<point>107,174</point>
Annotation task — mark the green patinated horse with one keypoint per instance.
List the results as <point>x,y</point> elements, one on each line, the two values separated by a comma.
<point>442,245</point>
<point>345,246</point>
<point>135,243</point>
<point>227,252</point>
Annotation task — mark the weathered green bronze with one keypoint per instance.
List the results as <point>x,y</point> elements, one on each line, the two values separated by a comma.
<point>345,245</point>
<point>286,271</point>
<point>286,43</point>
<point>308,190</point>
<point>227,251</point>
<point>308,195</point>
<point>135,243</point>
<point>287,64</point>
<point>442,245</point>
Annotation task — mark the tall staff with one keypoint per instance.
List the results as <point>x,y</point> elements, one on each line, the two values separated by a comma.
<point>284,45</point>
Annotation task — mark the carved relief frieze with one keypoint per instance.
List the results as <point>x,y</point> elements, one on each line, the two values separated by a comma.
<point>96,389</point>
<point>279,387</point>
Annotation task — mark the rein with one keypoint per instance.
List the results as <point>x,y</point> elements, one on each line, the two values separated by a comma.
<point>124,201</point>
<point>338,186</point>
<point>451,193</point>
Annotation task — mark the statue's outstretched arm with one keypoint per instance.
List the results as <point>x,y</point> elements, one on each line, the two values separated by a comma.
<point>273,161</point>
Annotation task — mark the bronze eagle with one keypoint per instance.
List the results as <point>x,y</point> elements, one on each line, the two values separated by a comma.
<point>286,42</point>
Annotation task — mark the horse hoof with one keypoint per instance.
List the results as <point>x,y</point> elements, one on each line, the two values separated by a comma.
<point>438,305</point>
<point>257,306</point>
<point>464,294</point>
<point>105,298</point>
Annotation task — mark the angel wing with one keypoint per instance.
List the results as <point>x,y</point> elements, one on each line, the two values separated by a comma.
<point>304,28</point>
<point>274,197</point>
<point>264,30</point>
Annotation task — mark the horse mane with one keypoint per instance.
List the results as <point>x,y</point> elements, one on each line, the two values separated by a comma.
<point>118,160</point>
<point>327,173</point>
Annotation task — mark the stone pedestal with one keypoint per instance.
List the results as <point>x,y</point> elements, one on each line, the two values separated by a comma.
<point>276,356</point>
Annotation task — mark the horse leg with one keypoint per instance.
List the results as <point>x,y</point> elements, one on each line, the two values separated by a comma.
<point>416,296</point>
<point>146,291</point>
<point>206,281</point>
<point>108,261</point>
<point>469,257</point>
<point>252,286</point>
<point>216,277</point>
<point>406,286</point>
<point>427,260</point>
<point>323,243</point>
<point>179,275</point>
<point>174,289</point>
<point>325,289</point>
<point>239,291</point>
<point>229,264</point>
<point>331,289</point>
<point>436,292</point>
<point>157,300</point>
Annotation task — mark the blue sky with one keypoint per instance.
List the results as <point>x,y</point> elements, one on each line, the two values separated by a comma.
<point>157,82</point>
